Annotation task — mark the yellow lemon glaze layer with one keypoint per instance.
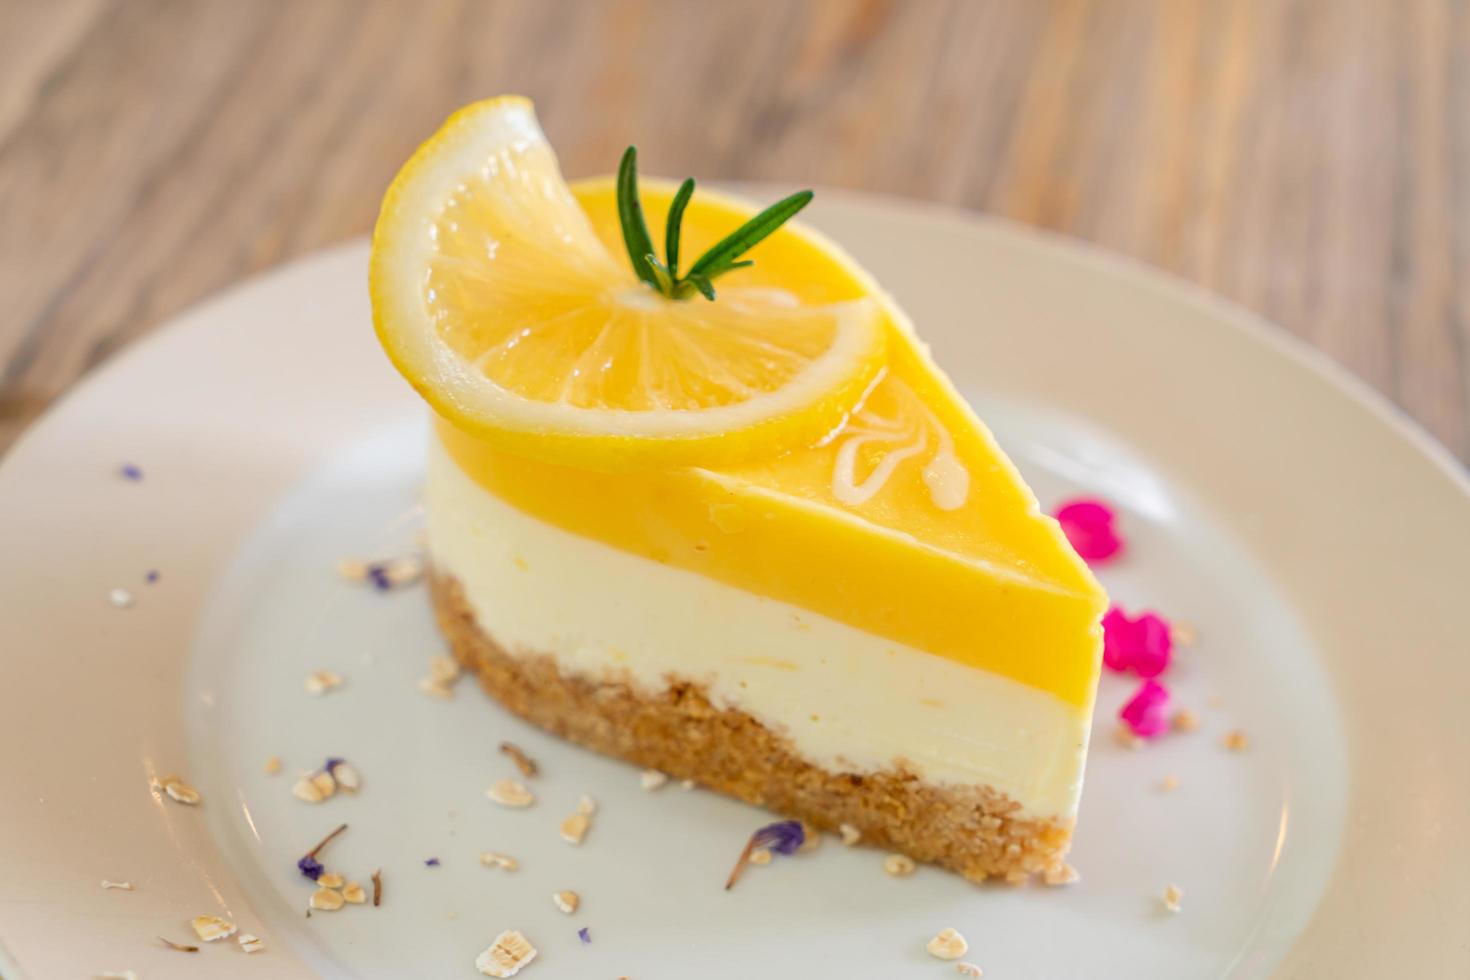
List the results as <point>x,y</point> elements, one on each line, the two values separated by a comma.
<point>954,559</point>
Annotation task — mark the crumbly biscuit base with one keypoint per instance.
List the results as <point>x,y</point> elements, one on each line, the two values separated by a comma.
<point>973,830</point>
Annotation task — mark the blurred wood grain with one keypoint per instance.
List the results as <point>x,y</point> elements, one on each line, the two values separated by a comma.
<point>1310,160</point>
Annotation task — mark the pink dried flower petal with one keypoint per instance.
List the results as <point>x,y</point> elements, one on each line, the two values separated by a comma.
<point>1147,713</point>
<point>1088,524</point>
<point>1153,645</point>
<point>1144,645</point>
<point>1117,640</point>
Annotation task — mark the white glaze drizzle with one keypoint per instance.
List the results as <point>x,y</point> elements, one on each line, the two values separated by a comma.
<point>945,476</point>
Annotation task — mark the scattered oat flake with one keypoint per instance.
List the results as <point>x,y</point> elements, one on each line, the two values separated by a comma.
<point>503,861</point>
<point>686,784</point>
<point>1169,784</point>
<point>353,570</point>
<point>344,774</point>
<point>506,955</point>
<point>1183,633</point>
<point>326,900</point>
<point>211,927</point>
<point>586,805</point>
<point>393,573</point>
<point>850,834</point>
<point>273,765</point>
<point>354,893</point>
<point>435,688</point>
<point>1146,713</point>
<point>1060,874</point>
<point>898,865</point>
<point>314,787</point>
<point>319,682</point>
<point>377,879</point>
<point>124,886</point>
<point>813,838</point>
<point>523,762</point>
<point>574,828</point>
<point>181,947</point>
<point>508,792</point>
<point>1235,740</point>
<point>1185,720</point>
<point>566,901</point>
<point>948,945</point>
<point>178,790</point>
<point>250,942</point>
<point>652,779</point>
<point>968,970</point>
<point>444,668</point>
<point>121,598</point>
<point>1088,524</point>
<point>585,935</point>
<point>331,879</point>
<point>759,856</point>
<point>1126,738</point>
<point>1172,897</point>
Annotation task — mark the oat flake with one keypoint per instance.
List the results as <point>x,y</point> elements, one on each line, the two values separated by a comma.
<point>566,901</point>
<point>503,861</point>
<point>506,955</point>
<point>326,900</point>
<point>574,828</point>
<point>508,792</point>
<point>948,945</point>
<point>321,681</point>
<point>898,865</point>
<point>250,942</point>
<point>211,927</point>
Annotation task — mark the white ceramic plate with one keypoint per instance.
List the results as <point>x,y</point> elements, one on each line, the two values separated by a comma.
<point>1317,543</point>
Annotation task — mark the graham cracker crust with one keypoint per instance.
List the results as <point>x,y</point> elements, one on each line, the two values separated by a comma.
<point>972,830</point>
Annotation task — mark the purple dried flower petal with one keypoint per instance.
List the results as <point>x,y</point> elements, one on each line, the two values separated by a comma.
<point>151,576</point>
<point>783,838</point>
<point>332,764</point>
<point>310,867</point>
<point>378,574</point>
<point>584,935</point>
<point>131,471</point>
<point>432,863</point>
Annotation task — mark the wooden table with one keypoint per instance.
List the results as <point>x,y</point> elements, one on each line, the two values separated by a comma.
<point>1310,160</point>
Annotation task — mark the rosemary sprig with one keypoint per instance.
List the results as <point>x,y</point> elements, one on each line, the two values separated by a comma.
<point>723,257</point>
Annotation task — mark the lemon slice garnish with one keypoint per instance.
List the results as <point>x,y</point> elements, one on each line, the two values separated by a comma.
<point>495,297</point>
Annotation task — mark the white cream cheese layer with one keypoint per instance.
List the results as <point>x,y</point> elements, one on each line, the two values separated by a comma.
<point>849,701</point>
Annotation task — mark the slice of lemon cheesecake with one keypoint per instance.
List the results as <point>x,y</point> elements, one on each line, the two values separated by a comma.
<point>730,522</point>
